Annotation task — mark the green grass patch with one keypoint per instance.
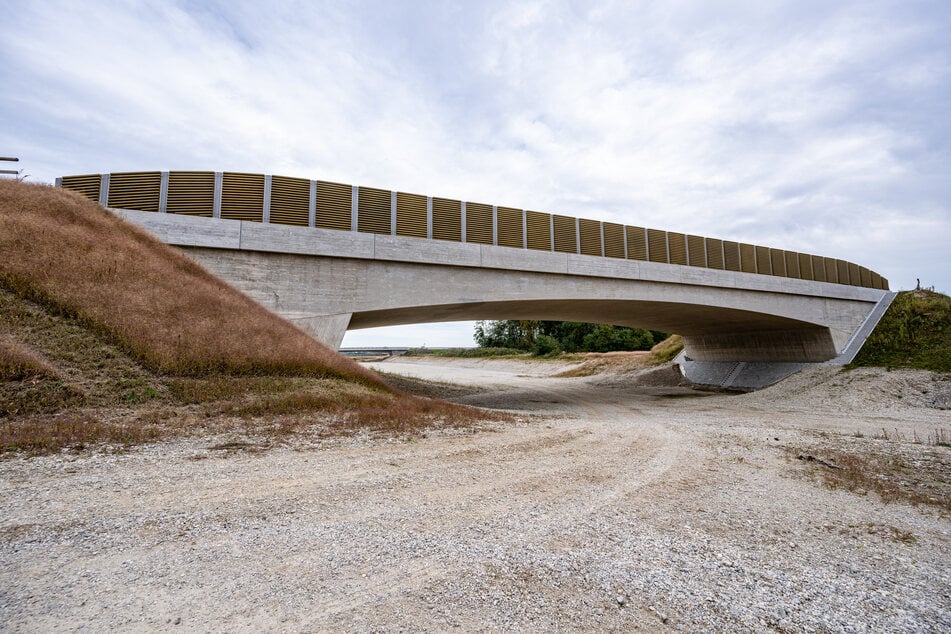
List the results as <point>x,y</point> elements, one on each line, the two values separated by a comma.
<point>666,350</point>
<point>915,332</point>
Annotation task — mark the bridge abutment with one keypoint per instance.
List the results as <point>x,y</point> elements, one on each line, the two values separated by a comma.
<point>327,329</point>
<point>807,345</point>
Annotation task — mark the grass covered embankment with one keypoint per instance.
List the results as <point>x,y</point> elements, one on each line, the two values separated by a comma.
<point>109,335</point>
<point>915,332</point>
<point>76,259</point>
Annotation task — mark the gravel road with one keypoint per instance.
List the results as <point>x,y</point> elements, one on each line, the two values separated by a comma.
<point>608,507</point>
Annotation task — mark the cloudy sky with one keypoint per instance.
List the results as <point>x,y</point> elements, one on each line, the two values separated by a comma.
<point>815,126</point>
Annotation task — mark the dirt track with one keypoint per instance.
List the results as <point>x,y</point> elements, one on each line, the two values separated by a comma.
<point>607,507</point>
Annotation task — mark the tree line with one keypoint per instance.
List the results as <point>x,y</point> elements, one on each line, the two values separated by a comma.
<point>548,337</point>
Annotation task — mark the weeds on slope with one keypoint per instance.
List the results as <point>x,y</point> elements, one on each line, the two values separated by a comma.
<point>913,473</point>
<point>261,408</point>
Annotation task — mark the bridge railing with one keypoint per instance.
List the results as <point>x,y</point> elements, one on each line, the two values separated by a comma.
<point>328,205</point>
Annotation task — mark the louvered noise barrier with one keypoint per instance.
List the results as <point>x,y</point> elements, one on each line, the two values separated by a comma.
<point>328,205</point>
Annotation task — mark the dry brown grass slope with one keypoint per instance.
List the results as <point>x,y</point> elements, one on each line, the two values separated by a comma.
<point>70,255</point>
<point>109,336</point>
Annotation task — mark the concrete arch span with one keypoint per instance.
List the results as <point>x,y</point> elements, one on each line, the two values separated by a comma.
<point>687,319</point>
<point>329,295</point>
<point>702,326</point>
<point>329,281</point>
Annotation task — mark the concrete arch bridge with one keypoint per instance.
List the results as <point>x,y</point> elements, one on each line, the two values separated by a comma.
<point>334,257</point>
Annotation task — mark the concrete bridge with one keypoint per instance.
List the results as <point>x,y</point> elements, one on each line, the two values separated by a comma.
<point>363,257</point>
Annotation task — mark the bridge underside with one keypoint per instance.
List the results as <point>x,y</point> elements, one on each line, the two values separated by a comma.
<point>711,333</point>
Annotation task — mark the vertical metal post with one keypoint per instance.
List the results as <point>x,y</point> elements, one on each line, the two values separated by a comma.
<point>462,211</point>
<point>392,213</point>
<point>163,193</point>
<point>524,229</point>
<point>577,236</point>
<point>429,217</point>
<point>104,190</point>
<point>667,240</point>
<point>601,225</point>
<point>495,225</point>
<point>312,205</point>
<point>266,212</point>
<point>219,180</point>
<point>551,229</point>
<point>647,246</point>
<point>624,236</point>
<point>354,207</point>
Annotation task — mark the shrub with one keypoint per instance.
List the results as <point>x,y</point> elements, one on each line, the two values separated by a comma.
<point>545,345</point>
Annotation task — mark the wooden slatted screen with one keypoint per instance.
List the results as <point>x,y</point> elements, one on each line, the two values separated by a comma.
<point>792,264</point>
<point>819,268</point>
<point>832,270</point>
<point>86,184</point>
<point>411,215</point>
<point>290,201</point>
<point>677,243</point>
<point>877,280</point>
<point>478,223</point>
<point>539,230</point>
<point>135,190</point>
<point>715,254</point>
<point>191,193</point>
<point>843,270</point>
<point>748,258</point>
<point>855,275</point>
<point>657,246</point>
<point>566,239</point>
<point>696,256</point>
<point>242,196</point>
<point>805,266</point>
<point>777,262</point>
<point>731,256</point>
<point>590,231</point>
<point>636,243</point>
<point>763,263</point>
<point>374,208</point>
<point>509,227</point>
<point>334,206</point>
<point>447,219</point>
<point>613,240</point>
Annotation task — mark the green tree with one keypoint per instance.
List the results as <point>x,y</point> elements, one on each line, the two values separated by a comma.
<point>570,336</point>
<point>517,334</point>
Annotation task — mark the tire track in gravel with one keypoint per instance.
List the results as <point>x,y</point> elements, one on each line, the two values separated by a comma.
<point>521,487</point>
<point>498,476</point>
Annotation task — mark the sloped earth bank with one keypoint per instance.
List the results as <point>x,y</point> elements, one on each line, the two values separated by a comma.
<point>619,502</point>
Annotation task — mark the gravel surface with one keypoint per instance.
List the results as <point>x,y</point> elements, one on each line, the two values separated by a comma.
<point>609,507</point>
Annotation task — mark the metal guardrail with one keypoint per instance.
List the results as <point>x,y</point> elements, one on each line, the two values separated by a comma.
<point>327,205</point>
<point>10,160</point>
